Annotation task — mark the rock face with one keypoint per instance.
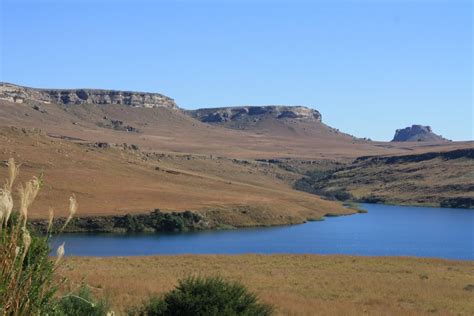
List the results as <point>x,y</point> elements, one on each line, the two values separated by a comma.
<point>233,114</point>
<point>417,133</point>
<point>18,94</point>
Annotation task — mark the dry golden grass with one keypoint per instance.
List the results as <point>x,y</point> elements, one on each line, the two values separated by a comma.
<point>414,183</point>
<point>167,130</point>
<point>113,181</point>
<point>295,284</point>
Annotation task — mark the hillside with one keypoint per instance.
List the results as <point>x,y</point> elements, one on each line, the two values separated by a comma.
<point>443,179</point>
<point>148,153</point>
<point>284,121</point>
<point>118,179</point>
<point>167,128</point>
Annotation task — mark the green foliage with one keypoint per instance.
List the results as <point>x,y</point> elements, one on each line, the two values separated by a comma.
<point>154,306</point>
<point>211,296</point>
<point>82,303</point>
<point>159,221</point>
<point>314,182</point>
<point>372,199</point>
<point>26,286</point>
<point>342,195</point>
<point>132,224</point>
<point>317,174</point>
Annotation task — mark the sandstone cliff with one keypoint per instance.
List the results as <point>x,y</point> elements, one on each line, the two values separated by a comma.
<point>19,94</point>
<point>228,114</point>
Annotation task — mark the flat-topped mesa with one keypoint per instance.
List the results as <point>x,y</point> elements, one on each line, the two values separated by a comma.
<point>227,114</point>
<point>417,133</point>
<point>19,94</point>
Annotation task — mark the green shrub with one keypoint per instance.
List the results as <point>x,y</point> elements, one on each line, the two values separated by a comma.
<point>211,296</point>
<point>342,195</point>
<point>82,303</point>
<point>132,224</point>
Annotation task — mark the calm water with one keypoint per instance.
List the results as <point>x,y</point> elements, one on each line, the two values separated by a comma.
<point>384,230</point>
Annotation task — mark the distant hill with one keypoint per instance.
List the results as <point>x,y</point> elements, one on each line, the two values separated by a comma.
<point>128,152</point>
<point>273,120</point>
<point>154,122</point>
<point>417,133</point>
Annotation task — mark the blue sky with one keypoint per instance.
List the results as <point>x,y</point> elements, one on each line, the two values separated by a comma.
<point>370,67</point>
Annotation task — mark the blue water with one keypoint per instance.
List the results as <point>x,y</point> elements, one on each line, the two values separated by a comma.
<point>383,231</point>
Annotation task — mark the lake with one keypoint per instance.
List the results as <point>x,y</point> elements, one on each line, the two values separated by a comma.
<point>383,231</point>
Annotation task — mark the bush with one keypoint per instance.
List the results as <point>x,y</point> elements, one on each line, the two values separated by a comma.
<point>81,304</point>
<point>342,195</point>
<point>132,224</point>
<point>211,296</point>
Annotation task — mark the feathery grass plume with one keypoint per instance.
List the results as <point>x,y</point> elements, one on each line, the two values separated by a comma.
<point>26,243</point>
<point>17,252</point>
<point>72,210</point>
<point>13,171</point>
<point>6,205</point>
<point>50,220</point>
<point>28,194</point>
<point>27,273</point>
<point>59,254</point>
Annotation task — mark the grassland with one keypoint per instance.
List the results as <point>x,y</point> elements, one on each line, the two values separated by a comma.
<point>295,284</point>
<point>166,130</point>
<point>436,179</point>
<point>118,181</point>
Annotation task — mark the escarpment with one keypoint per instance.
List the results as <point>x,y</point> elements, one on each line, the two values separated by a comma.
<point>19,94</point>
<point>234,114</point>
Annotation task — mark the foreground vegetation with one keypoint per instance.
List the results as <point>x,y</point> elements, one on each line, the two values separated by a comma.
<point>204,296</point>
<point>29,278</point>
<point>295,284</point>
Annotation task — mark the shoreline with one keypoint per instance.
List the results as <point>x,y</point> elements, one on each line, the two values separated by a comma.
<point>157,221</point>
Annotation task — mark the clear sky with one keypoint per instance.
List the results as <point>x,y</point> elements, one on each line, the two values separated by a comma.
<point>369,67</point>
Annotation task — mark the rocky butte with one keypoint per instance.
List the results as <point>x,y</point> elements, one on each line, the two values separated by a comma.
<point>417,133</point>
<point>18,94</point>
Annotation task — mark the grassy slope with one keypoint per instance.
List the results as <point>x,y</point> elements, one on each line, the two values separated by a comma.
<point>296,284</point>
<point>426,182</point>
<point>168,130</point>
<point>114,181</point>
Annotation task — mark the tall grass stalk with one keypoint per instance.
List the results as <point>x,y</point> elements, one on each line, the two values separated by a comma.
<point>27,280</point>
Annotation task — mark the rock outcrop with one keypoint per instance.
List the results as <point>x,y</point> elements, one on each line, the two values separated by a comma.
<point>229,114</point>
<point>417,133</point>
<point>18,94</point>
